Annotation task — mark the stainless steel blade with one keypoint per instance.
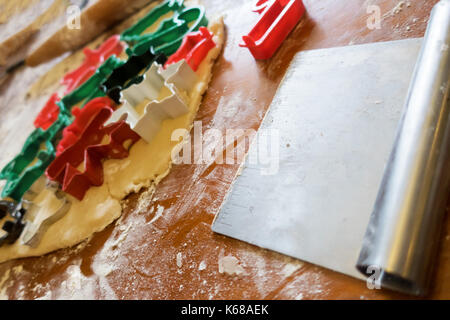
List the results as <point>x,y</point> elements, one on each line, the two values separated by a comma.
<point>336,112</point>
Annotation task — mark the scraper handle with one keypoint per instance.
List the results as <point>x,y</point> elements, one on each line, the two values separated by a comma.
<point>402,238</point>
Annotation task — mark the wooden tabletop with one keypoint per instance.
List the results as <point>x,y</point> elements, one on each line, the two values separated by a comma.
<point>177,256</point>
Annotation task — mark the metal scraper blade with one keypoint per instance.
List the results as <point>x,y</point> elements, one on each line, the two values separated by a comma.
<point>336,113</point>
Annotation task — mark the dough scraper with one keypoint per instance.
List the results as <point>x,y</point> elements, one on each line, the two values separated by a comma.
<point>362,151</point>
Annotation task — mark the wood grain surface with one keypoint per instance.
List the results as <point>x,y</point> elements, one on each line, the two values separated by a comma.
<point>163,246</point>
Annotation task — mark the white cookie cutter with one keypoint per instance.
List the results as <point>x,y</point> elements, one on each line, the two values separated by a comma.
<point>35,229</point>
<point>176,78</point>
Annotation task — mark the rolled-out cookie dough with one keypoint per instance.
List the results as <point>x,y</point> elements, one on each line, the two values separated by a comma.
<point>147,164</point>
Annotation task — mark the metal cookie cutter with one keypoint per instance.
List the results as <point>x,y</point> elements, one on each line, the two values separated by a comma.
<point>155,83</point>
<point>194,48</point>
<point>278,19</point>
<point>37,153</point>
<point>93,58</point>
<point>168,38</point>
<point>134,34</point>
<point>181,75</point>
<point>35,226</point>
<point>88,149</point>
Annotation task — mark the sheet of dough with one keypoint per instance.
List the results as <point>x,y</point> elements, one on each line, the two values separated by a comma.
<point>147,164</point>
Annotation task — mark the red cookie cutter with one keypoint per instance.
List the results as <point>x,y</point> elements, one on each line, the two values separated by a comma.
<point>194,48</point>
<point>92,61</point>
<point>278,19</point>
<point>48,115</point>
<point>90,150</point>
<point>82,119</point>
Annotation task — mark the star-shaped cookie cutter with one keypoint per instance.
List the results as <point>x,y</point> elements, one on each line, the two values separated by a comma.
<point>278,19</point>
<point>155,84</point>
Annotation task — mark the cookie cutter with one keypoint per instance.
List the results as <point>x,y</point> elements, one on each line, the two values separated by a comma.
<point>169,36</point>
<point>130,72</point>
<point>194,48</point>
<point>181,75</point>
<point>93,58</point>
<point>278,19</point>
<point>49,113</point>
<point>36,154</point>
<point>88,149</point>
<point>12,228</point>
<point>91,88</point>
<point>35,228</point>
<point>148,122</point>
<point>83,116</point>
<point>134,34</point>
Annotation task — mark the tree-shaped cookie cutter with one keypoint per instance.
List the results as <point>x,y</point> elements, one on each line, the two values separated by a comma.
<point>178,79</point>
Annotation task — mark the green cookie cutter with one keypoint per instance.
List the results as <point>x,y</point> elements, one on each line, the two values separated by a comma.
<point>134,34</point>
<point>91,88</point>
<point>169,36</point>
<point>21,172</point>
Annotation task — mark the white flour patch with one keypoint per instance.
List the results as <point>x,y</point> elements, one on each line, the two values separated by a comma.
<point>202,266</point>
<point>230,265</point>
<point>158,214</point>
<point>78,287</point>
<point>46,296</point>
<point>290,268</point>
<point>179,259</point>
<point>299,297</point>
